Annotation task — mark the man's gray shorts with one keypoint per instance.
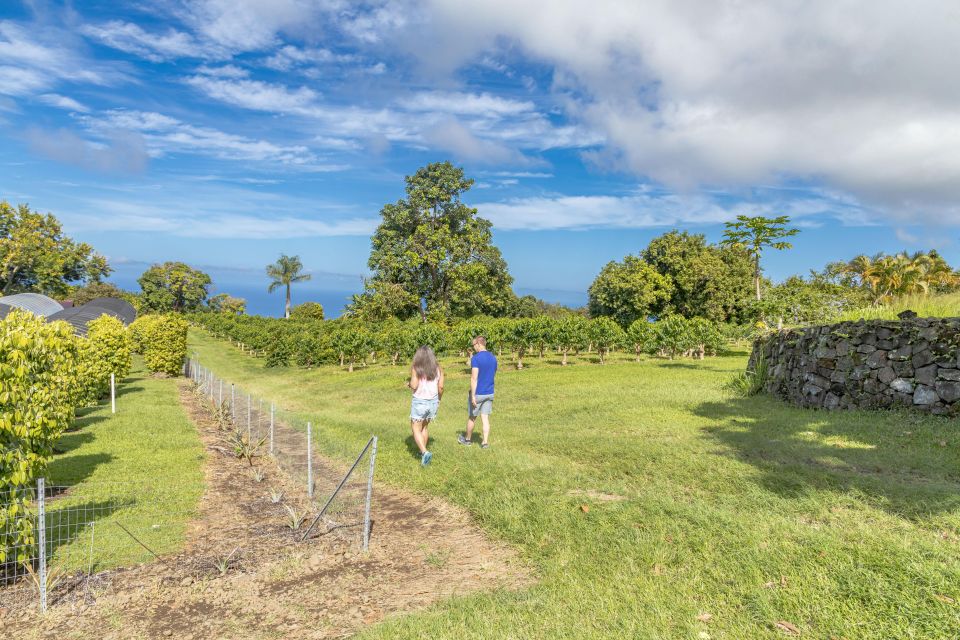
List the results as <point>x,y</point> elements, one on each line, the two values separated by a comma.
<point>484,405</point>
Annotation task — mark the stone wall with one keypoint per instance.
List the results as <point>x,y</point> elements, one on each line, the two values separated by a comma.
<point>913,362</point>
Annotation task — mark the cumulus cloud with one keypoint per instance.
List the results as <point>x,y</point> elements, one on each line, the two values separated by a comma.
<point>851,94</point>
<point>450,135</point>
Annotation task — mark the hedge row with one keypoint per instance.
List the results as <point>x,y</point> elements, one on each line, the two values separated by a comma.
<point>348,342</point>
<point>162,339</point>
<point>46,373</point>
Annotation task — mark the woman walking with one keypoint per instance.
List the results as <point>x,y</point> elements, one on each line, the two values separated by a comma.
<point>426,380</point>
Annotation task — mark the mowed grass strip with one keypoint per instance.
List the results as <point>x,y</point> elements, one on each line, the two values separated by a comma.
<point>654,504</point>
<point>139,468</point>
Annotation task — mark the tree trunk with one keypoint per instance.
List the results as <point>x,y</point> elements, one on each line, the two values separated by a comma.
<point>564,361</point>
<point>341,358</point>
<point>287,308</point>
<point>756,275</point>
<point>350,368</point>
<point>600,351</point>
<point>519,361</point>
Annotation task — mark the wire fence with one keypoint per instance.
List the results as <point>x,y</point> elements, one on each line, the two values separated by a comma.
<point>342,493</point>
<point>58,540</point>
<point>55,538</point>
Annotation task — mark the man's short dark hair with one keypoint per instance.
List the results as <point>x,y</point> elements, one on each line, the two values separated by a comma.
<point>480,340</point>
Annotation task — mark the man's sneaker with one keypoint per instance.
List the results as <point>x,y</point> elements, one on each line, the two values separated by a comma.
<point>462,440</point>
<point>484,445</point>
<point>425,458</point>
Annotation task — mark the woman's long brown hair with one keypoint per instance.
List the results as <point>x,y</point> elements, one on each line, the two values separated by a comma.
<point>425,363</point>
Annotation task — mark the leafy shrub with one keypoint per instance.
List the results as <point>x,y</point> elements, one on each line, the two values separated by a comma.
<point>704,337</point>
<point>278,353</point>
<point>606,335</point>
<point>640,336</point>
<point>570,334</point>
<point>307,311</point>
<point>38,394</point>
<point>671,336</point>
<point>112,345</point>
<point>162,339</point>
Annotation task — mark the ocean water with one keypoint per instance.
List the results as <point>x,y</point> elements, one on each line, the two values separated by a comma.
<point>332,292</point>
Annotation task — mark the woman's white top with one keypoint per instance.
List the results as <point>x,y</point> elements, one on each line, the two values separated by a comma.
<point>427,389</point>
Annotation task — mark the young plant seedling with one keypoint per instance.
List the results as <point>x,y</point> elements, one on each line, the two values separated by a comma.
<point>294,518</point>
<point>276,496</point>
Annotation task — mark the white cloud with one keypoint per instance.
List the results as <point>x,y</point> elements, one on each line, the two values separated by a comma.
<point>653,209</point>
<point>856,95</point>
<point>226,71</point>
<point>450,135</point>
<point>63,102</point>
<point>37,59</point>
<point>289,57</point>
<point>156,47</point>
<point>253,24</point>
<point>165,135</point>
<point>121,151</point>
<point>469,104</point>
<point>254,94</point>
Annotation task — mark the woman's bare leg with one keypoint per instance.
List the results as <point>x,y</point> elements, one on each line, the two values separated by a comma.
<point>418,432</point>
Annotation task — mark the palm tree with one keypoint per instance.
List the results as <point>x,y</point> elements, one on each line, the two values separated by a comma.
<point>284,272</point>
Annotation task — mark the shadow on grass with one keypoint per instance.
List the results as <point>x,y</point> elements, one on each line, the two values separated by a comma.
<point>71,440</point>
<point>128,389</point>
<point>898,460</point>
<point>69,470</point>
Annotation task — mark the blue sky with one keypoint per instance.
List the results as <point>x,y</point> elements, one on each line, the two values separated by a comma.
<point>222,133</point>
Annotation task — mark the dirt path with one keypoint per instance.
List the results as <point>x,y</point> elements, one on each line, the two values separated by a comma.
<point>244,574</point>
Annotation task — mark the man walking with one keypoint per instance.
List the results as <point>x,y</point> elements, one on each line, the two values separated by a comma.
<point>483,369</point>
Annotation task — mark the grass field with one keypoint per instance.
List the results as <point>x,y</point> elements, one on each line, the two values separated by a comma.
<point>140,467</point>
<point>933,306</point>
<point>653,504</point>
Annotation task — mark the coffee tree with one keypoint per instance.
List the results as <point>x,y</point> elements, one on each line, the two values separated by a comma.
<point>606,335</point>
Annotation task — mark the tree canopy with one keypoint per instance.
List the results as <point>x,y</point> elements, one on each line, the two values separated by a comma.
<point>628,290</point>
<point>434,255</point>
<point>226,303</point>
<point>307,310</point>
<point>35,255</point>
<point>707,280</point>
<point>173,286</point>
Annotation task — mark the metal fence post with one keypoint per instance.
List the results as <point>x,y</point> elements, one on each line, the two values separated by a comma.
<point>233,403</point>
<point>366,513</point>
<point>113,394</point>
<point>220,401</point>
<point>42,537</point>
<point>271,428</point>
<point>309,460</point>
<point>248,417</point>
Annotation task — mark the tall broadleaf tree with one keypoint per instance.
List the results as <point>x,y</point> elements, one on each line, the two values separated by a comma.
<point>35,255</point>
<point>173,286</point>
<point>437,251</point>
<point>756,233</point>
<point>283,273</point>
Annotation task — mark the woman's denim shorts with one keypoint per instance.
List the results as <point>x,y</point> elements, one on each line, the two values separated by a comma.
<point>422,410</point>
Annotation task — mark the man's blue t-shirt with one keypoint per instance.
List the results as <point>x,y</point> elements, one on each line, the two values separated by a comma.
<point>486,363</point>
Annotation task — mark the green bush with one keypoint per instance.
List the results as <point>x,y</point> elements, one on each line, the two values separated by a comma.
<point>606,335</point>
<point>307,311</point>
<point>38,394</point>
<point>162,339</point>
<point>112,346</point>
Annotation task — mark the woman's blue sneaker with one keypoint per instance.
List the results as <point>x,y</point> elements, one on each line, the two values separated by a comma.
<point>425,458</point>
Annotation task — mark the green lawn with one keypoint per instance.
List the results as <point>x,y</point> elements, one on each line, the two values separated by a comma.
<point>139,468</point>
<point>845,525</point>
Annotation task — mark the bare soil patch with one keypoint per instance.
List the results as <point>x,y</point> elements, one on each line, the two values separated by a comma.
<point>244,573</point>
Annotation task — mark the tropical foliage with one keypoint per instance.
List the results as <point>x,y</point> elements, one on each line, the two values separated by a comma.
<point>432,255</point>
<point>225,303</point>
<point>162,340</point>
<point>753,234</point>
<point>173,286</point>
<point>283,273</point>
<point>889,276</point>
<point>36,256</point>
